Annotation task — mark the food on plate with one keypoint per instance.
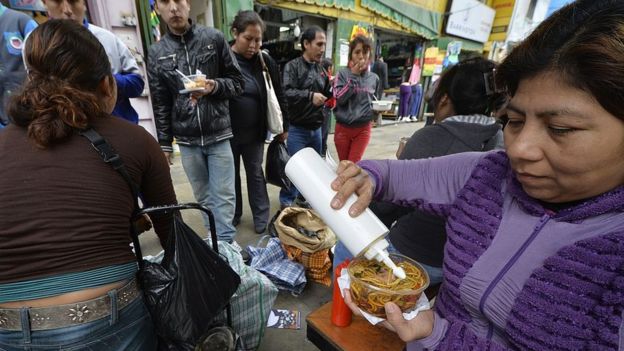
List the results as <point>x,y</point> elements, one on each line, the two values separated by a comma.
<point>373,284</point>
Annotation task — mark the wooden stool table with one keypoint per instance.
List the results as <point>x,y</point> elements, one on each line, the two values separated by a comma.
<point>360,335</point>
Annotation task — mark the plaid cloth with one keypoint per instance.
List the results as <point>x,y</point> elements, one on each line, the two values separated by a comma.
<point>272,262</point>
<point>317,264</point>
<point>252,301</point>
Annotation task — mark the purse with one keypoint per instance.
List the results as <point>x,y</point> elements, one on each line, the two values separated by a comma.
<point>192,285</point>
<point>275,119</point>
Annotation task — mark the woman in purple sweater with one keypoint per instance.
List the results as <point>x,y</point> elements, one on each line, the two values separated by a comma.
<point>535,253</point>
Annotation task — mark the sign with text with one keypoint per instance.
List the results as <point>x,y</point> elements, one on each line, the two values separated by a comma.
<point>470,19</point>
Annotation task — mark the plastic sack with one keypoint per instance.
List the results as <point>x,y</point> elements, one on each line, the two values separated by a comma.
<point>252,301</point>
<point>277,157</point>
<point>188,289</point>
<point>273,263</point>
<point>307,240</point>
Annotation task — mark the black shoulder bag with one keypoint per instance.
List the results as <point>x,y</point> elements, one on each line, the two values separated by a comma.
<point>192,284</point>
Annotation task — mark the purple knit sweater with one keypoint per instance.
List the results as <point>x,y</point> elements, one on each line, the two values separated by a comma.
<point>561,287</point>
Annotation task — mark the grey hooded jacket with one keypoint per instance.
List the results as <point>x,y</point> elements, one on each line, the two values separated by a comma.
<point>354,95</point>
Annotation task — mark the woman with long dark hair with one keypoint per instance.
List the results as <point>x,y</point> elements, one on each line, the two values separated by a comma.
<point>67,271</point>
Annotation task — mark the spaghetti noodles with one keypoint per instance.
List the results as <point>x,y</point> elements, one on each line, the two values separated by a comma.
<point>373,284</point>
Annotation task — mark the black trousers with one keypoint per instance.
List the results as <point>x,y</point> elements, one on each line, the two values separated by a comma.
<point>252,154</point>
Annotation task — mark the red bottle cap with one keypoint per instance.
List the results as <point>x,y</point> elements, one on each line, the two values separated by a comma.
<point>341,313</point>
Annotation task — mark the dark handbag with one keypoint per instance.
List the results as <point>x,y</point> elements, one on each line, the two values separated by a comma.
<point>192,284</point>
<point>275,168</point>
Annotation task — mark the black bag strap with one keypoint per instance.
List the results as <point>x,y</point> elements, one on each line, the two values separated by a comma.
<point>112,158</point>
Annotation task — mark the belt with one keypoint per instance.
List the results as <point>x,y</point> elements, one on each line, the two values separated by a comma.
<point>61,316</point>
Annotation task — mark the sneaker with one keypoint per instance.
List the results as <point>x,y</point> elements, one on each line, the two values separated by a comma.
<point>414,119</point>
<point>260,229</point>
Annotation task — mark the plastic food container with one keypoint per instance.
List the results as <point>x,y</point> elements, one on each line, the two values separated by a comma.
<point>381,105</point>
<point>371,297</point>
<point>196,81</point>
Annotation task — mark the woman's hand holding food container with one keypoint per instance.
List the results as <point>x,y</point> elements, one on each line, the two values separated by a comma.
<point>408,330</point>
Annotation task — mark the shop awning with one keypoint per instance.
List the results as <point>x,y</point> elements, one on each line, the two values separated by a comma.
<point>467,45</point>
<point>339,4</point>
<point>407,15</point>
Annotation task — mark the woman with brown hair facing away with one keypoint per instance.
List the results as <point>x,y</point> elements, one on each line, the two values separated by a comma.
<point>67,271</point>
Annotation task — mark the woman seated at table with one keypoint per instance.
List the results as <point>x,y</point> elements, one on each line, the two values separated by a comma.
<point>67,271</point>
<point>535,253</point>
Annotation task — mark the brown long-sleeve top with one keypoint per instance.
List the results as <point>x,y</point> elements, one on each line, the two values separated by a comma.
<point>64,210</point>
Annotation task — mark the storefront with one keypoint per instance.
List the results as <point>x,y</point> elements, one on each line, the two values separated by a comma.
<point>283,27</point>
<point>399,52</point>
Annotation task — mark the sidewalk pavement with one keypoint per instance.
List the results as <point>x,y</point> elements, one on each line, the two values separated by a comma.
<point>384,143</point>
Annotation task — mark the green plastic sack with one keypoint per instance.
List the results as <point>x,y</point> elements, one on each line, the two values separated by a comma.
<point>252,301</point>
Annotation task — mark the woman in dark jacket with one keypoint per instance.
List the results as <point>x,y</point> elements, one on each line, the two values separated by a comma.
<point>249,115</point>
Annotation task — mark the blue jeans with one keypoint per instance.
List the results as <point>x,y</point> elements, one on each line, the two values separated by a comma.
<point>415,100</point>
<point>341,253</point>
<point>128,329</point>
<point>299,138</point>
<point>210,170</point>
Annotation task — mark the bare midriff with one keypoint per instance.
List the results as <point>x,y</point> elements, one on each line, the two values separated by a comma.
<point>67,298</point>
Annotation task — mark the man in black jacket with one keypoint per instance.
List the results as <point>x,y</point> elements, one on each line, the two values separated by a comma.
<point>200,121</point>
<point>380,68</point>
<point>306,87</point>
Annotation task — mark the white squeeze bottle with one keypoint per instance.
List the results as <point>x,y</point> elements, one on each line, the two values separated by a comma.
<point>363,234</point>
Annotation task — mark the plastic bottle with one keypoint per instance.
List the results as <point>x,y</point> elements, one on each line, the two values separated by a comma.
<point>362,235</point>
<point>340,313</point>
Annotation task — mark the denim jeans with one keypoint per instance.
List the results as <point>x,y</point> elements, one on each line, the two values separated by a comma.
<point>415,100</point>
<point>299,138</point>
<point>129,329</point>
<point>341,253</point>
<point>210,170</point>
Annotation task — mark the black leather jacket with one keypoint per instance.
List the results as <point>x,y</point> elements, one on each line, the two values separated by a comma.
<point>301,79</point>
<point>208,121</point>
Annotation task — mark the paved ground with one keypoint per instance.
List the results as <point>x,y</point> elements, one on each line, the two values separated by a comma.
<point>383,144</point>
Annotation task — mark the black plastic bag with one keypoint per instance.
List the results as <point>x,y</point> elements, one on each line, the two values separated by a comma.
<point>277,156</point>
<point>190,287</point>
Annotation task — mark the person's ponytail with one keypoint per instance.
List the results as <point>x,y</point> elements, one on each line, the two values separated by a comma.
<point>66,65</point>
<point>52,110</point>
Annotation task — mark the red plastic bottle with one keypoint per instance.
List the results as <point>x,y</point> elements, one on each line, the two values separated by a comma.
<point>340,313</point>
